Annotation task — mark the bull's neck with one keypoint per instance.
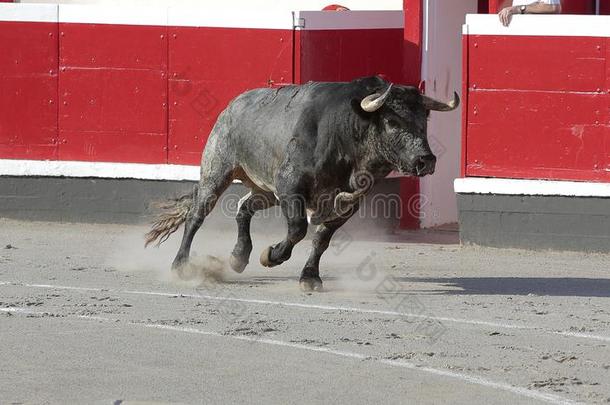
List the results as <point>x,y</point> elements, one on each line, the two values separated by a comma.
<point>365,156</point>
<point>370,161</point>
<point>376,167</point>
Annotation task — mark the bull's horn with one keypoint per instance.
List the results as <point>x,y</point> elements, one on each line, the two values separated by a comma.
<point>362,181</point>
<point>432,104</point>
<point>344,202</point>
<point>374,102</point>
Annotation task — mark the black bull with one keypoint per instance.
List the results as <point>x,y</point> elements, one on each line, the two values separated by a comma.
<point>315,150</point>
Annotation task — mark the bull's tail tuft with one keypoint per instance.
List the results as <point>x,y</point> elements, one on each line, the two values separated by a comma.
<point>173,214</point>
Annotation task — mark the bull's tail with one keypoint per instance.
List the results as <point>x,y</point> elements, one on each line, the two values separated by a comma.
<point>173,214</point>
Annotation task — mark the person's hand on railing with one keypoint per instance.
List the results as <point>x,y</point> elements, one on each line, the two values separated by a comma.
<point>527,7</point>
<point>506,15</point>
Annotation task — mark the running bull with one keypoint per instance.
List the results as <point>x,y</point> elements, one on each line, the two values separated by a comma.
<point>314,150</point>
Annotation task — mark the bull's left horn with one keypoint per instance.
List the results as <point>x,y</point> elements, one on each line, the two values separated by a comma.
<point>432,104</point>
<point>375,101</point>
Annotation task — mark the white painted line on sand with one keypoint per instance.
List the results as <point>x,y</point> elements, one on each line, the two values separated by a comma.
<point>20,310</point>
<point>583,335</point>
<point>554,399</point>
<point>321,307</point>
<point>58,287</point>
<point>472,379</point>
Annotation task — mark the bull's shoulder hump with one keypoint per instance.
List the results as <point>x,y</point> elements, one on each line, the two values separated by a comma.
<point>304,92</point>
<point>263,96</point>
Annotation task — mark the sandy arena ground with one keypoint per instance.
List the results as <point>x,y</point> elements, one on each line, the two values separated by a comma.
<point>88,316</point>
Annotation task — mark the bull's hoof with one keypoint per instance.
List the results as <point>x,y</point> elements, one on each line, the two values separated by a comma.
<point>185,271</point>
<point>311,284</point>
<point>266,259</point>
<point>238,265</point>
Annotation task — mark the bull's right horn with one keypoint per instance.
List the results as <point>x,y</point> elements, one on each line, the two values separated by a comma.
<point>375,101</point>
<point>434,105</point>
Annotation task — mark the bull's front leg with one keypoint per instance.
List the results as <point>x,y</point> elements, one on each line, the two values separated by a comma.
<point>310,276</point>
<point>254,201</point>
<point>293,208</point>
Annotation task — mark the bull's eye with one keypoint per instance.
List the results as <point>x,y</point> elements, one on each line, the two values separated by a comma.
<point>393,123</point>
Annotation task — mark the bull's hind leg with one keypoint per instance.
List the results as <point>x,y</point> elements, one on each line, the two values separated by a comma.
<point>216,176</point>
<point>310,276</point>
<point>254,201</point>
<point>204,202</point>
<point>293,208</point>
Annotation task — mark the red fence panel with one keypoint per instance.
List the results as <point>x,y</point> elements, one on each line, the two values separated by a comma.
<point>28,79</point>
<point>536,135</point>
<point>538,105</point>
<point>348,54</point>
<point>343,47</point>
<point>537,63</point>
<point>113,88</point>
<point>111,115</point>
<point>146,85</point>
<point>210,65</point>
<point>578,7</point>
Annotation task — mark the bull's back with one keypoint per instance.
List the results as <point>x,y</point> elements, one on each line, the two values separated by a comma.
<point>258,125</point>
<point>261,123</point>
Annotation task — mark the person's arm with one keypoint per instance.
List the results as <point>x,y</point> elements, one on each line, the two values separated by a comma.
<point>535,8</point>
<point>543,8</point>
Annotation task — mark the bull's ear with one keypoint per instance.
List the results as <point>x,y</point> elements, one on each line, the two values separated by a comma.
<point>434,105</point>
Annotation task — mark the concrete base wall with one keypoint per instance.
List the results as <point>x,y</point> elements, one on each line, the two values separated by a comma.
<point>535,222</point>
<point>128,201</point>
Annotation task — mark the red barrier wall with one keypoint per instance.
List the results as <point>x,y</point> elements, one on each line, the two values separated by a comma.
<point>146,85</point>
<point>201,86</point>
<point>412,73</point>
<point>538,105</point>
<point>344,55</point>
<point>28,100</point>
<point>578,7</point>
<point>413,38</point>
<point>113,93</point>
<point>138,92</point>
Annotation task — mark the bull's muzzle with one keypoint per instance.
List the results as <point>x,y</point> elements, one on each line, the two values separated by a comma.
<point>425,165</point>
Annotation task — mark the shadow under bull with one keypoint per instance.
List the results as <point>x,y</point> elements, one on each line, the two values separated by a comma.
<point>549,286</point>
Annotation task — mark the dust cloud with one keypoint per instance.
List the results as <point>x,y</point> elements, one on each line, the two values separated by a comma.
<point>129,256</point>
<point>349,266</point>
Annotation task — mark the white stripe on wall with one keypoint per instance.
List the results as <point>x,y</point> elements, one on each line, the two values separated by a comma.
<point>200,16</point>
<point>28,12</point>
<point>343,20</point>
<point>481,185</point>
<point>205,17</point>
<point>539,25</point>
<point>48,168</point>
<point>107,14</point>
